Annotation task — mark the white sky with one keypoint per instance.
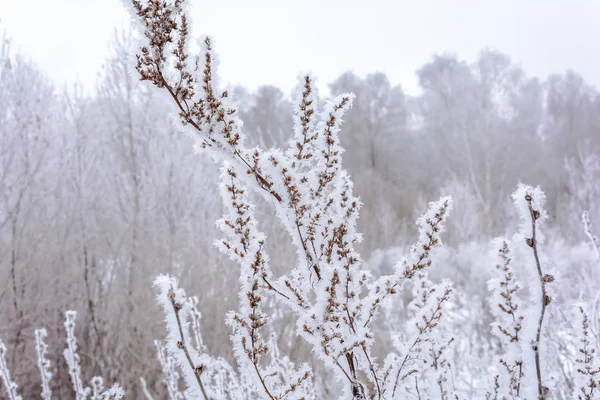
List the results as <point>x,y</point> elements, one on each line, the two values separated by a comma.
<point>271,41</point>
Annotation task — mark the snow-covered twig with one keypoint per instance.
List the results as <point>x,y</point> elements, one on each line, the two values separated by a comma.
<point>520,324</point>
<point>170,375</point>
<point>177,310</point>
<point>423,350</point>
<point>530,203</point>
<point>145,389</point>
<point>72,358</point>
<point>10,387</point>
<point>508,310</point>
<point>43,363</point>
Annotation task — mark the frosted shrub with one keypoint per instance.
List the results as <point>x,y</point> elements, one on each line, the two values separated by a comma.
<point>520,322</point>
<point>522,298</point>
<point>588,370</point>
<point>335,301</point>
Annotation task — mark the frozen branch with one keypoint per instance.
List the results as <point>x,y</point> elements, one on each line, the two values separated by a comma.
<point>43,363</point>
<point>10,387</point>
<point>72,358</point>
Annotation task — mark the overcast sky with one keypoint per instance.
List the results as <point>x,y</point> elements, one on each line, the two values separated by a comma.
<point>271,41</point>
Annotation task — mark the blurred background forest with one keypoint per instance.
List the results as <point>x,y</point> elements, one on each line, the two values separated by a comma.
<point>99,193</point>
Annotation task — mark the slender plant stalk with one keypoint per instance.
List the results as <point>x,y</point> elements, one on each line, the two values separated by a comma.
<point>545,299</point>
<point>183,346</point>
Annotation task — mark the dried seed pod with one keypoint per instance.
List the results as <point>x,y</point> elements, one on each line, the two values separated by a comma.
<point>548,278</point>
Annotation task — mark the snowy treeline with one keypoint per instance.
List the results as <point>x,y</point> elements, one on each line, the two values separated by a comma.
<point>101,193</point>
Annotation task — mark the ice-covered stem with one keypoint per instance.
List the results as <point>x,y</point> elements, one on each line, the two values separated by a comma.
<point>72,358</point>
<point>41,349</point>
<point>530,204</point>
<point>195,317</point>
<point>170,375</point>
<point>431,224</point>
<point>587,226</point>
<point>10,387</point>
<point>587,380</point>
<point>508,310</point>
<point>177,310</point>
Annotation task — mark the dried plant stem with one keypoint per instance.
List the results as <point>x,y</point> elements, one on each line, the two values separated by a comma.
<point>262,381</point>
<point>544,299</point>
<point>254,357</point>
<point>372,369</point>
<point>183,346</point>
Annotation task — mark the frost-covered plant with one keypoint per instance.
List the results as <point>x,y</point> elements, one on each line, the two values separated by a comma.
<point>169,370</point>
<point>334,300</point>
<point>419,367</point>
<point>587,379</point>
<point>72,357</point>
<point>520,322</point>
<point>204,376</point>
<point>41,349</point>
<point>10,387</point>
<point>508,324</point>
<point>95,392</point>
<point>177,311</point>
